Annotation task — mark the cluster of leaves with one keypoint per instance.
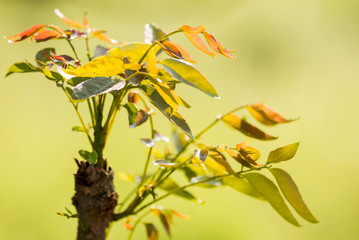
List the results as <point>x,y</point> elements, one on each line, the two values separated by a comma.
<point>138,73</point>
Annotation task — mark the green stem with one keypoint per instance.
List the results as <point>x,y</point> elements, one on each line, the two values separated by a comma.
<point>88,49</point>
<point>79,116</point>
<point>193,184</point>
<point>73,49</point>
<point>149,153</point>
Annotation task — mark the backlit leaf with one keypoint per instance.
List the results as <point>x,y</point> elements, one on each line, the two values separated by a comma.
<point>153,33</point>
<point>198,43</point>
<point>78,129</point>
<point>264,114</point>
<point>189,29</point>
<point>180,139</point>
<point>175,50</point>
<point>25,34</point>
<point>148,142</point>
<point>165,223</point>
<point>216,46</point>
<point>220,159</point>
<point>201,154</point>
<point>71,23</point>
<point>152,233</point>
<point>21,67</point>
<point>44,34</point>
<point>292,194</point>
<point>96,86</point>
<point>271,193</point>
<point>283,154</point>
<point>165,163</point>
<point>242,185</point>
<point>159,137</point>
<point>169,185</point>
<point>162,105</point>
<point>185,72</point>
<point>244,127</point>
<point>236,156</point>
<point>42,56</point>
<point>180,215</point>
<point>103,37</point>
<point>51,75</point>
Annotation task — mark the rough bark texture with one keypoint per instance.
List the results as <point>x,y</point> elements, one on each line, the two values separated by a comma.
<point>95,201</point>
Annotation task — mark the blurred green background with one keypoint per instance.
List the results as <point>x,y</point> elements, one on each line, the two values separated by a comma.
<point>300,57</point>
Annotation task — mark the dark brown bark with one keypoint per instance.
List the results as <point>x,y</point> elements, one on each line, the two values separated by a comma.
<point>95,201</point>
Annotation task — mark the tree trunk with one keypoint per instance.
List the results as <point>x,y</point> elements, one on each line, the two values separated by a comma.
<point>95,201</point>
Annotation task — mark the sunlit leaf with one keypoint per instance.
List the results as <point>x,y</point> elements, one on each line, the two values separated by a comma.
<point>103,37</point>
<point>292,194</point>
<point>25,34</point>
<point>44,34</point>
<point>96,86</point>
<point>91,157</point>
<point>198,43</point>
<point>283,153</point>
<point>238,157</point>
<point>21,67</point>
<point>180,215</point>
<point>76,80</point>
<point>189,29</point>
<point>244,127</point>
<point>264,114</point>
<point>175,50</point>
<point>128,177</point>
<point>127,224</point>
<point>271,193</point>
<point>78,129</point>
<point>159,137</point>
<point>133,97</point>
<point>216,46</point>
<point>51,75</point>
<point>242,185</point>
<point>148,142</point>
<point>185,72</point>
<point>169,185</point>
<point>71,23</point>
<point>207,184</point>
<point>165,163</point>
<point>152,233</point>
<point>132,112</point>
<point>201,154</point>
<point>248,153</point>
<point>153,33</point>
<point>220,159</point>
<point>161,104</point>
<point>180,139</point>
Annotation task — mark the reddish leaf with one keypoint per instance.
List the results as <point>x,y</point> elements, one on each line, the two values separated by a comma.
<point>25,34</point>
<point>71,23</point>
<point>198,43</point>
<point>103,37</point>
<point>165,223</point>
<point>133,97</point>
<point>180,215</point>
<point>44,35</point>
<point>246,128</point>
<point>175,50</point>
<point>189,29</point>
<point>217,47</point>
<point>142,117</point>
<point>266,115</point>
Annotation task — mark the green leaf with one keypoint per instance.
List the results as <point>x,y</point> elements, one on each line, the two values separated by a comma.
<point>96,86</point>
<point>91,157</point>
<point>77,80</point>
<point>41,56</point>
<point>170,185</point>
<point>271,193</point>
<point>21,67</point>
<point>153,33</point>
<point>152,233</point>
<point>165,223</point>
<point>132,112</point>
<point>179,138</point>
<point>220,159</point>
<point>292,194</point>
<point>51,75</point>
<point>185,72</point>
<point>244,127</point>
<point>78,129</point>
<point>242,185</point>
<point>283,154</point>
<point>161,104</point>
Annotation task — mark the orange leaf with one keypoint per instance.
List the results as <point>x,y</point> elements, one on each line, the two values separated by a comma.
<point>190,29</point>
<point>198,43</point>
<point>71,23</point>
<point>236,156</point>
<point>180,215</point>
<point>44,35</point>
<point>102,36</point>
<point>175,50</point>
<point>264,114</point>
<point>216,46</point>
<point>25,34</point>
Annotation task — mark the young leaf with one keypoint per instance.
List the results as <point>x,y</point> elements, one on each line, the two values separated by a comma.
<point>42,56</point>
<point>141,117</point>
<point>216,46</point>
<point>283,154</point>
<point>292,194</point>
<point>51,75</point>
<point>220,159</point>
<point>152,233</point>
<point>162,105</point>
<point>198,43</point>
<point>148,142</point>
<point>180,215</point>
<point>185,72</point>
<point>25,34</point>
<point>236,156</point>
<point>132,112</point>
<point>242,185</point>
<point>71,23</point>
<point>91,157</point>
<point>153,33</point>
<point>264,114</point>
<point>43,35</point>
<point>244,127</point>
<point>170,185</point>
<point>96,86</point>
<point>175,50</point>
<point>271,193</point>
